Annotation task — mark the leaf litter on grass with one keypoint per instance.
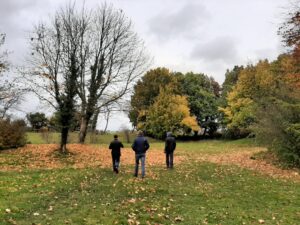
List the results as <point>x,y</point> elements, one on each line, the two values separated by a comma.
<point>46,156</point>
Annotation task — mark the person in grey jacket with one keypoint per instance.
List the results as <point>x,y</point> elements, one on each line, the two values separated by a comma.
<point>140,146</point>
<point>170,145</point>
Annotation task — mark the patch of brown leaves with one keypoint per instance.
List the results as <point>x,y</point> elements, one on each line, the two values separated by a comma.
<point>244,159</point>
<point>46,156</point>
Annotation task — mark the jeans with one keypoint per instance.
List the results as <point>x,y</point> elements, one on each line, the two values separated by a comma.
<point>138,157</point>
<point>169,159</point>
<point>115,161</point>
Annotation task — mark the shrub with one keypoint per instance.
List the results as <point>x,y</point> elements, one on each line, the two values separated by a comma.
<point>279,129</point>
<point>12,133</point>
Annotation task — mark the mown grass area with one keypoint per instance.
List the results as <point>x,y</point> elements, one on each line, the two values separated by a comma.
<point>54,137</point>
<point>192,193</point>
<point>207,146</point>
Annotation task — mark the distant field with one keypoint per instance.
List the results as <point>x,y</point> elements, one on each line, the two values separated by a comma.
<point>54,137</point>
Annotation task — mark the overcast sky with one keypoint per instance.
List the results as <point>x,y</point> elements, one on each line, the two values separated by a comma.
<point>207,36</point>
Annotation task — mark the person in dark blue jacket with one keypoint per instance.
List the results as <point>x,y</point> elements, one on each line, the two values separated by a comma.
<point>115,147</point>
<point>140,146</point>
<point>170,145</point>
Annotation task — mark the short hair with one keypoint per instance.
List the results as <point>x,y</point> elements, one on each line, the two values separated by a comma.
<point>115,136</point>
<point>140,133</point>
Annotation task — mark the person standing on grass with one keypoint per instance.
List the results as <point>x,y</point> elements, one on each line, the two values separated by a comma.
<point>140,146</point>
<point>115,147</point>
<point>170,145</point>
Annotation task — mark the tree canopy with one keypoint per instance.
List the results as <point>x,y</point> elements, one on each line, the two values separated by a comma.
<point>169,112</point>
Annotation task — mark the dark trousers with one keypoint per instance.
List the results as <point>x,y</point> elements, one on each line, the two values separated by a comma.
<point>169,159</point>
<point>115,161</point>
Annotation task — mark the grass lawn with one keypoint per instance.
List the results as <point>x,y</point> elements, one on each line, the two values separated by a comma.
<point>195,192</point>
<point>54,137</point>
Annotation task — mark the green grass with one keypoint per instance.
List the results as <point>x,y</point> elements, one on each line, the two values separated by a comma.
<point>35,138</point>
<point>192,193</point>
<point>54,137</point>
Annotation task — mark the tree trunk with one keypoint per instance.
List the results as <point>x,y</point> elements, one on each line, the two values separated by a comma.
<point>107,119</point>
<point>83,130</point>
<point>95,120</point>
<point>64,138</point>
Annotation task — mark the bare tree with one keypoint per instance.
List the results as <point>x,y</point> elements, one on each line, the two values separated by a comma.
<point>10,93</point>
<point>85,59</point>
<point>116,59</point>
<point>59,51</point>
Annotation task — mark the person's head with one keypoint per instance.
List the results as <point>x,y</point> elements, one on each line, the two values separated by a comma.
<point>115,136</point>
<point>140,133</point>
<point>169,134</point>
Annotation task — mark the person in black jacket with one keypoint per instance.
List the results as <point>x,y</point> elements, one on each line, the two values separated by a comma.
<point>115,147</point>
<point>140,146</point>
<point>170,145</point>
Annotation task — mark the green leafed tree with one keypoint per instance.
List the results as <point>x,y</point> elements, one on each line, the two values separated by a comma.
<point>202,93</point>
<point>37,120</point>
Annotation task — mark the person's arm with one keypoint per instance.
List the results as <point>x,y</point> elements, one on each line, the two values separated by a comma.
<point>166,145</point>
<point>133,146</point>
<point>147,146</point>
<point>121,145</point>
<point>174,145</point>
<point>110,145</point>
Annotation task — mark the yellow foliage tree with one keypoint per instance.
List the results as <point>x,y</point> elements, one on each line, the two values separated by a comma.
<point>254,82</point>
<point>169,112</point>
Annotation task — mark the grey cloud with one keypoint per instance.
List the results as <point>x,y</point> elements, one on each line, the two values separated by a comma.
<point>219,49</point>
<point>181,22</point>
<point>14,15</point>
<point>10,9</point>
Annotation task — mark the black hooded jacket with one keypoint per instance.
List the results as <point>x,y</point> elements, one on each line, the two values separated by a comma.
<point>170,144</point>
<point>115,147</point>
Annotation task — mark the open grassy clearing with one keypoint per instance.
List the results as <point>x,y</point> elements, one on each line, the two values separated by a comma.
<point>38,186</point>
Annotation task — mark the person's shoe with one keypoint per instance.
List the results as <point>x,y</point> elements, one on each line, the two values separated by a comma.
<point>135,175</point>
<point>117,170</point>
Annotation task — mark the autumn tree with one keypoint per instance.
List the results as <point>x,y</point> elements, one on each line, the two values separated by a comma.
<point>146,90</point>
<point>10,93</point>
<point>169,112</point>
<point>289,30</point>
<point>278,112</point>
<point>12,133</point>
<point>254,82</point>
<point>231,78</point>
<point>116,58</point>
<point>58,59</point>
